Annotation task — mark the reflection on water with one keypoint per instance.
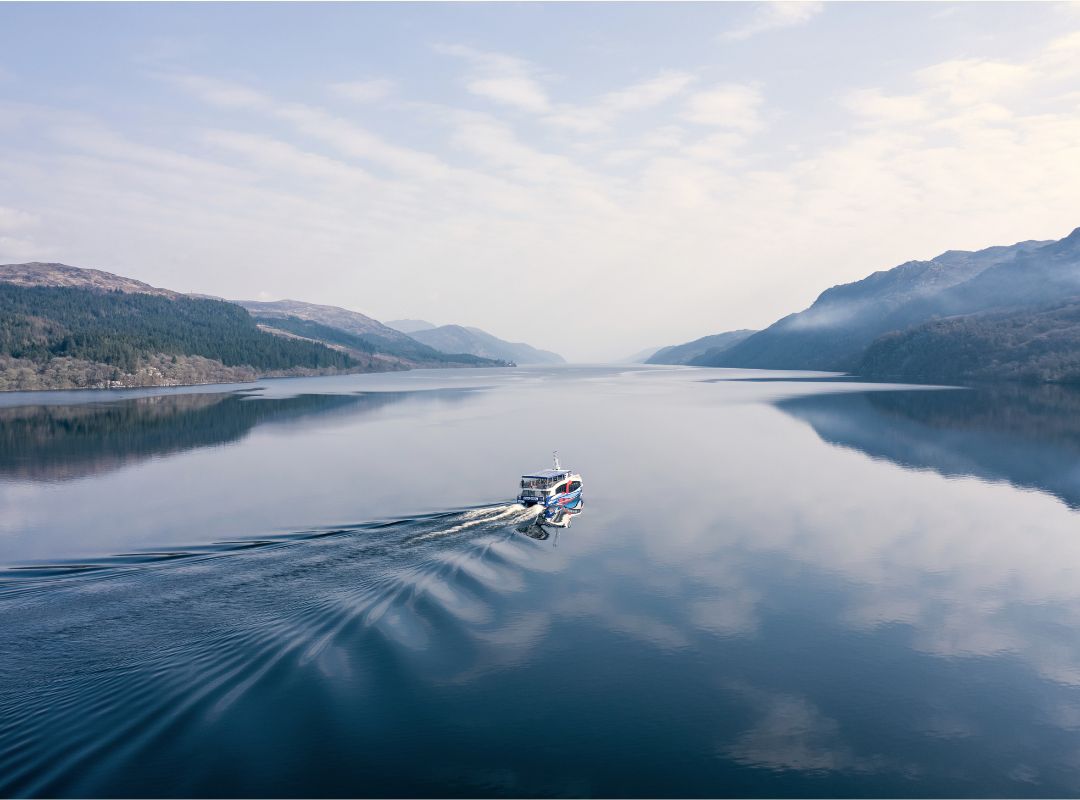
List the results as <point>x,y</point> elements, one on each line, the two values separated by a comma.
<point>63,442</point>
<point>343,605</point>
<point>1026,435</point>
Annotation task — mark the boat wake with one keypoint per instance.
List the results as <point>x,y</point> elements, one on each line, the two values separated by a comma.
<point>114,668</point>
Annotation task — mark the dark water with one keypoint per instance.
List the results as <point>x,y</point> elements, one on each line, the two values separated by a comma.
<point>318,588</point>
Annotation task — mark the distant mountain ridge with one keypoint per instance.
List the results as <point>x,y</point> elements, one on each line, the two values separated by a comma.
<point>460,339</point>
<point>64,327</point>
<point>707,347</point>
<point>835,330</point>
<point>1004,312</point>
<point>409,325</point>
<point>409,350</point>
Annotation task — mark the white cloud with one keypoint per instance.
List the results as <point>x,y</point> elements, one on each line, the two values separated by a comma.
<point>501,78</point>
<point>876,106</point>
<point>733,106</point>
<point>363,91</point>
<point>772,15</point>
<point>649,93</point>
<point>218,92</point>
<point>12,219</point>
<point>606,111</point>
<point>15,245</point>
<point>966,81</point>
<point>513,90</point>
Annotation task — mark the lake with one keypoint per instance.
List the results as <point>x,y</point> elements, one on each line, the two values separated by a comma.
<point>782,584</point>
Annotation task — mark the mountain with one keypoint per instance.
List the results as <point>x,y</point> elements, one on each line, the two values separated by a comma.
<point>62,327</point>
<point>833,332</point>
<point>357,332</point>
<point>1030,344</point>
<point>640,357</point>
<point>458,339</point>
<point>409,325</point>
<point>708,347</point>
<point>38,273</point>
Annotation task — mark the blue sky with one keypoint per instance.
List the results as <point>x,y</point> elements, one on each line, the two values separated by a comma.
<point>595,178</point>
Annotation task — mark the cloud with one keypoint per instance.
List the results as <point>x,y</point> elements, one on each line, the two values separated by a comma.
<point>733,106</point>
<point>215,91</point>
<point>512,90</point>
<point>606,111</point>
<point>773,15</point>
<point>648,93</point>
<point>501,78</point>
<point>971,80</point>
<point>363,91</point>
<point>15,245</point>
<point>12,219</point>
<point>876,106</point>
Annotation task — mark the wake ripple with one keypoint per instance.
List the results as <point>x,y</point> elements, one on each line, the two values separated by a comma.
<point>115,664</point>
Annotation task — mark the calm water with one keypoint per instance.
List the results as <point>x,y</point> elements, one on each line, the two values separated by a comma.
<point>789,586</point>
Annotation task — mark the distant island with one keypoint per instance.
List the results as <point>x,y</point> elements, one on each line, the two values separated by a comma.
<point>64,327</point>
<point>1002,313</point>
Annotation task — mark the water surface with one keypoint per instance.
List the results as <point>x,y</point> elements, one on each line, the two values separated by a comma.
<point>318,587</point>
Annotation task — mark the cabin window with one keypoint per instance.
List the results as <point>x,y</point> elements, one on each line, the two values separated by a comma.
<point>560,488</point>
<point>574,486</point>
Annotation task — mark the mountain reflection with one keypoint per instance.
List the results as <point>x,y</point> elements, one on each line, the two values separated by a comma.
<point>1028,436</point>
<point>64,442</point>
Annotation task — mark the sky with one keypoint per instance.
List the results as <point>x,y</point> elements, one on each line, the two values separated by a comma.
<point>594,179</point>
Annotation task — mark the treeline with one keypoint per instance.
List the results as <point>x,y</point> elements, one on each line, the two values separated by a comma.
<point>1037,345</point>
<point>124,331</point>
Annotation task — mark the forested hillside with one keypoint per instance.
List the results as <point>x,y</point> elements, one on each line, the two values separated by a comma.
<point>60,337</point>
<point>1037,345</point>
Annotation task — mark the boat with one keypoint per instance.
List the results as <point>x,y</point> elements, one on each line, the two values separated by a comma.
<point>556,491</point>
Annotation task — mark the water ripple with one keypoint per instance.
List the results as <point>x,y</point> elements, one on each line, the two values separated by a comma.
<point>112,661</point>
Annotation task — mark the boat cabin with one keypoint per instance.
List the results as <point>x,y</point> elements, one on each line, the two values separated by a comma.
<point>548,483</point>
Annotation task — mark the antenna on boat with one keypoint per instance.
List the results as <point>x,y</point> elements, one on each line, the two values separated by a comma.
<point>555,455</point>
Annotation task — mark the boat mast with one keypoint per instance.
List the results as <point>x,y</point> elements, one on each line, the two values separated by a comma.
<point>555,455</point>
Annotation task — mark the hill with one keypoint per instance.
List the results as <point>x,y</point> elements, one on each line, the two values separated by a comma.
<point>328,324</point>
<point>459,339</point>
<point>833,332</point>
<point>640,357</point>
<point>71,336</point>
<point>1035,345</point>
<point>64,327</point>
<point>404,350</point>
<point>38,273</point>
<point>409,325</point>
<point>396,355</point>
<point>707,346</point>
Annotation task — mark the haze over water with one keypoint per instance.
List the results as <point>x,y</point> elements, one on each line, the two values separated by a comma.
<point>789,586</point>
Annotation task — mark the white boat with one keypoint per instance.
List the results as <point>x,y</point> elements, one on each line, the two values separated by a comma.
<point>557,491</point>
